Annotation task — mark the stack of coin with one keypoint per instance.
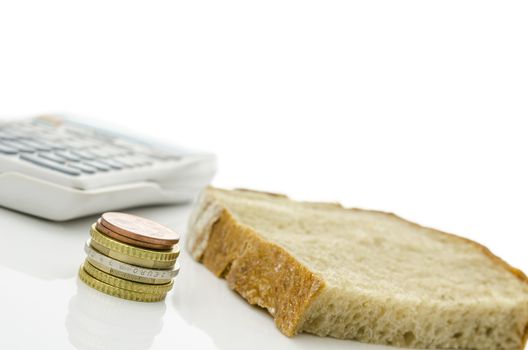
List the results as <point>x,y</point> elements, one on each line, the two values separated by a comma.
<point>130,257</point>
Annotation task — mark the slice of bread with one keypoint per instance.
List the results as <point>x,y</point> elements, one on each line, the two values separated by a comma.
<point>358,274</point>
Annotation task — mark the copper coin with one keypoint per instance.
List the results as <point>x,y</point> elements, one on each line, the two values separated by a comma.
<point>101,228</point>
<point>139,228</point>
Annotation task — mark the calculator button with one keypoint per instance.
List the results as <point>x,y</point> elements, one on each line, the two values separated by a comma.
<point>39,146</point>
<point>122,162</point>
<point>5,135</point>
<point>127,162</point>
<point>15,134</point>
<point>98,165</point>
<point>84,154</point>
<point>53,157</point>
<point>55,145</point>
<point>69,156</point>
<point>114,164</point>
<point>49,164</point>
<point>7,150</point>
<point>85,168</point>
<point>19,146</point>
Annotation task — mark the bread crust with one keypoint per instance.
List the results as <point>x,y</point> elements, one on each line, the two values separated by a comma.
<point>265,274</point>
<point>261,272</point>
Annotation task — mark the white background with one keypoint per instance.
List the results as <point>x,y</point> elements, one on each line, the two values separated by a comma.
<point>414,107</point>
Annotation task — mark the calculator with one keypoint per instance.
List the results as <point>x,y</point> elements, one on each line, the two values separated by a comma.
<point>60,168</point>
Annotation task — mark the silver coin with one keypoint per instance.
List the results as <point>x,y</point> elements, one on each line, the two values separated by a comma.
<point>127,271</point>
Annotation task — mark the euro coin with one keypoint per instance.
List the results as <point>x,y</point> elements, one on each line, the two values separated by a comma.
<point>127,271</point>
<point>103,229</point>
<point>139,228</point>
<point>132,255</point>
<point>132,260</point>
<point>125,284</point>
<point>117,292</point>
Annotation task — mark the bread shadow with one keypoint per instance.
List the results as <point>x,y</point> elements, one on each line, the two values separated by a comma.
<point>206,302</point>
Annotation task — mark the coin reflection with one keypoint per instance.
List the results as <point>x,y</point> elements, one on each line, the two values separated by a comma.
<point>99,321</point>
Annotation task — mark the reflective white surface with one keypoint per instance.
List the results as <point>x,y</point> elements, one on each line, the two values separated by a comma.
<point>413,107</point>
<point>44,306</point>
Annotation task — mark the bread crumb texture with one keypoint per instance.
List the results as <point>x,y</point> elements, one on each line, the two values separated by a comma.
<point>357,274</point>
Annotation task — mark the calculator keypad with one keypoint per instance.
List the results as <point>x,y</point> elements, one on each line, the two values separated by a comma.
<point>74,150</point>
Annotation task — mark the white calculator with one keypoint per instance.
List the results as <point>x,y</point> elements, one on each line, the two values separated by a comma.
<point>58,168</point>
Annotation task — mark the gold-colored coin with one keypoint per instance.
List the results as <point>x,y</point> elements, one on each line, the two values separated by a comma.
<point>124,284</point>
<point>156,259</point>
<point>164,255</point>
<point>131,259</point>
<point>127,276</point>
<point>117,292</point>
